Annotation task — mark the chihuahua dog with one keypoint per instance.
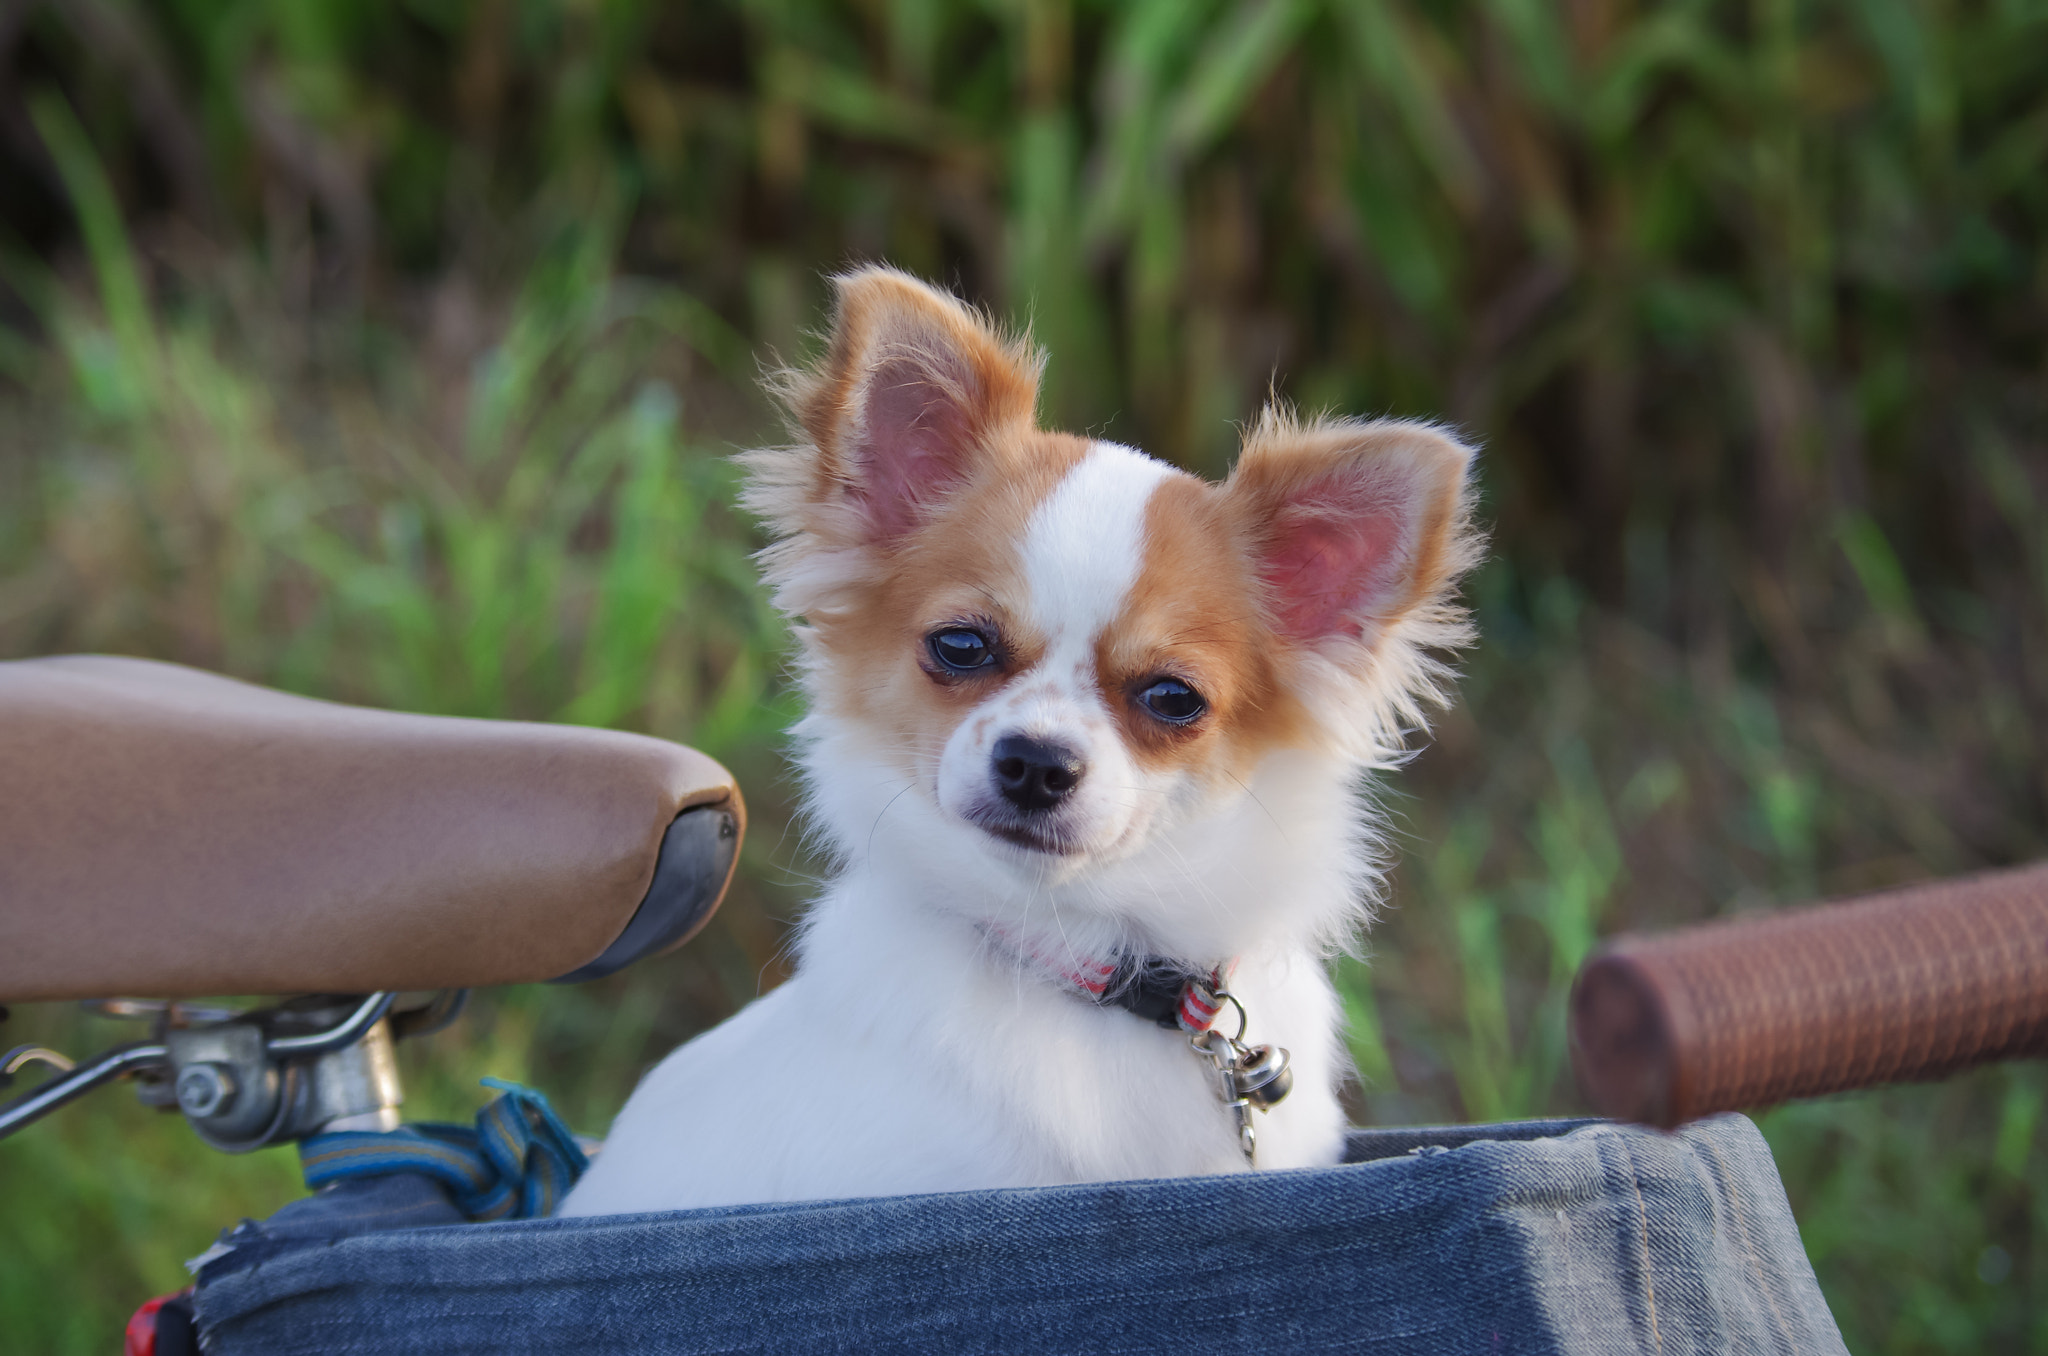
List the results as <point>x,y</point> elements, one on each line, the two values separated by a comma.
<point>1086,738</point>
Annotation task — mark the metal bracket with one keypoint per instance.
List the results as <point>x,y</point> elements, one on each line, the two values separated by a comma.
<point>247,1079</point>
<point>115,1063</point>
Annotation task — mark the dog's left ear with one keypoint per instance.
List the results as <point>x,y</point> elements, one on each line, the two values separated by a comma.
<point>1354,526</point>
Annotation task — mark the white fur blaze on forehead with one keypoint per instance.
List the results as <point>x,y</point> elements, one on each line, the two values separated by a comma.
<point>1085,543</point>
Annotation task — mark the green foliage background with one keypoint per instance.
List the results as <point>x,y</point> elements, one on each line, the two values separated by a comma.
<point>391,350</point>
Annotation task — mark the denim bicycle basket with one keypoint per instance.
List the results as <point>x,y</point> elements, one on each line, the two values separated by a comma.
<point>1562,1237</point>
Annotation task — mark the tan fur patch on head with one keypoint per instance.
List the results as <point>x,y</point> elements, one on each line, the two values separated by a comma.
<point>1196,614</point>
<point>962,567</point>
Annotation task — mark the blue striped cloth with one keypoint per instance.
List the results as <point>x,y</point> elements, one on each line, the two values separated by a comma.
<point>516,1162</point>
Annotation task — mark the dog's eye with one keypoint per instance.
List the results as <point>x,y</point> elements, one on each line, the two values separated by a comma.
<point>1172,701</point>
<point>960,650</point>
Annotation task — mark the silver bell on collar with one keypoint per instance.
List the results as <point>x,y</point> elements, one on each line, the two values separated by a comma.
<point>1261,1076</point>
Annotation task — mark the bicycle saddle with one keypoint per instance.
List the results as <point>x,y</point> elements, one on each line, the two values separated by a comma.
<point>168,833</point>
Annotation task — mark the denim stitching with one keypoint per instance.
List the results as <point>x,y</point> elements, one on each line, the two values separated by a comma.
<point>1749,1254</point>
<point>1643,1217</point>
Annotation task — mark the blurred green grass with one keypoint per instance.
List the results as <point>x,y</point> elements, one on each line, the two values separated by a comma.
<point>392,351</point>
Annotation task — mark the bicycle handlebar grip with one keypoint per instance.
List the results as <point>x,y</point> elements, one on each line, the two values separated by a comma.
<point>1913,984</point>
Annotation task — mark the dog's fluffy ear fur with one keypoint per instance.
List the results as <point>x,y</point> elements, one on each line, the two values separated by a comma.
<point>1359,531</point>
<point>911,389</point>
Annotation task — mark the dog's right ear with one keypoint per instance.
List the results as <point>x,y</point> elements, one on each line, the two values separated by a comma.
<point>912,385</point>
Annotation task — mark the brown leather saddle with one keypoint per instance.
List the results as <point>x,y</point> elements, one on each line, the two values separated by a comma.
<point>169,833</point>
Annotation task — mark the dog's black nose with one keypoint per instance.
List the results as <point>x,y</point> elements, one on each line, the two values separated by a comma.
<point>1033,774</point>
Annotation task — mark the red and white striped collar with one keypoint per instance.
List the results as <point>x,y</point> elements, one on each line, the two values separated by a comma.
<point>1173,993</point>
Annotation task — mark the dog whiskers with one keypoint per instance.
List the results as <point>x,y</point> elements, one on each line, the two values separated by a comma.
<point>872,828</point>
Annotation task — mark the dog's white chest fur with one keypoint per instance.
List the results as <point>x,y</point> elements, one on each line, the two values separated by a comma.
<point>1058,690</point>
<point>905,1062</point>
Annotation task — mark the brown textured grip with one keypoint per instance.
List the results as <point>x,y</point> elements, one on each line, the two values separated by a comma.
<point>1913,984</point>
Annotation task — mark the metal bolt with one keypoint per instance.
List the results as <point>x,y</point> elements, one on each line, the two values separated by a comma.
<point>205,1089</point>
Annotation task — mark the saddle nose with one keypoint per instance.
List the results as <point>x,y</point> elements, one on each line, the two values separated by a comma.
<point>1033,774</point>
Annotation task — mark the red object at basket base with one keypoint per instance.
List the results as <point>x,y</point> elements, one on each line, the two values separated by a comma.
<point>141,1336</point>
